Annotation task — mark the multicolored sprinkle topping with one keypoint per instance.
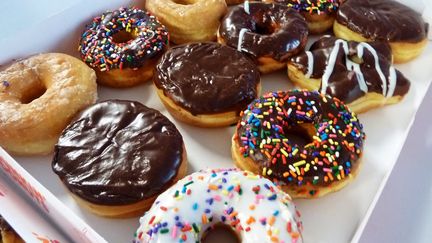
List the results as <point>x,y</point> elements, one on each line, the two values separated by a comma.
<point>336,141</point>
<point>313,6</point>
<point>251,205</point>
<point>145,37</point>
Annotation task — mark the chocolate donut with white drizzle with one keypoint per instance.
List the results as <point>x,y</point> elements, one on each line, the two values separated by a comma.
<point>358,73</point>
<point>270,33</point>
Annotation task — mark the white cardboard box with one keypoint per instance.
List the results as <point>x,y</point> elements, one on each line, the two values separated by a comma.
<point>334,218</point>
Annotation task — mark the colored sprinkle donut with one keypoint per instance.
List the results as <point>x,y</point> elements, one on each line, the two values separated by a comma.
<point>252,206</point>
<point>99,50</point>
<point>324,159</point>
<point>312,6</point>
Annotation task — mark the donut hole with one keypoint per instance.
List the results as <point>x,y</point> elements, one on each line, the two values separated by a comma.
<point>32,93</point>
<point>220,233</point>
<point>301,135</point>
<point>123,36</point>
<point>185,2</point>
<point>356,59</point>
<point>264,26</point>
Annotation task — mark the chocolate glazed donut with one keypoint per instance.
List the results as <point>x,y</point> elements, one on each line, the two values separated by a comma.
<point>271,33</point>
<point>117,154</point>
<point>383,20</point>
<point>206,84</point>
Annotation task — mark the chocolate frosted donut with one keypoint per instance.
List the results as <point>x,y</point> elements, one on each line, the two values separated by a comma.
<point>320,14</point>
<point>271,33</point>
<point>309,143</point>
<point>119,153</point>
<point>383,20</point>
<point>358,73</point>
<point>202,82</point>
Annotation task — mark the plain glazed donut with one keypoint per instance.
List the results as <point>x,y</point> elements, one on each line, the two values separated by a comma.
<point>189,20</point>
<point>308,143</point>
<point>383,20</point>
<point>122,46</point>
<point>271,33</point>
<point>117,156</point>
<point>320,14</point>
<point>252,206</point>
<point>206,84</point>
<point>38,98</point>
<point>358,73</point>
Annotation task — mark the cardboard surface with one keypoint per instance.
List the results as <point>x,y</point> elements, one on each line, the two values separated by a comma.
<point>334,218</point>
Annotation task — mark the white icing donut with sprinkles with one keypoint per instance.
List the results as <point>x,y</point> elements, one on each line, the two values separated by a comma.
<point>251,205</point>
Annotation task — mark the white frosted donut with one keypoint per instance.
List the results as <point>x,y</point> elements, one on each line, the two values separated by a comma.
<point>251,205</point>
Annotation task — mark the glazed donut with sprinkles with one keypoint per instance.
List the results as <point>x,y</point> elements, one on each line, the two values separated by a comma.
<point>123,46</point>
<point>307,142</point>
<point>252,206</point>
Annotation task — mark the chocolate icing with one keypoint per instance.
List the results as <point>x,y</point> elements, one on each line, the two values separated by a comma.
<point>273,30</point>
<point>142,39</point>
<point>343,82</point>
<point>206,78</point>
<point>118,152</point>
<point>328,121</point>
<point>385,20</point>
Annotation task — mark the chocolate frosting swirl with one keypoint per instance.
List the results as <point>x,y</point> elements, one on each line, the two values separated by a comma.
<point>269,30</point>
<point>384,20</point>
<point>118,152</point>
<point>345,82</point>
<point>207,78</point>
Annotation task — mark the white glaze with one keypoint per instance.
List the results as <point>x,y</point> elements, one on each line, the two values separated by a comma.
<point>191,207</point>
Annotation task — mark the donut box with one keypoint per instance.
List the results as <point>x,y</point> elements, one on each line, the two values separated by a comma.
<point>55,216</point>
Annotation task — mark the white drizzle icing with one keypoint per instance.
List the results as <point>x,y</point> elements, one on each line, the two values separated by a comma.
<point>392,82</point>
<point>240,40</point>
<point>360,48</point>
<point>331,62</point>
<point>352,66</point>
<point>310,64</point>
<point>246,7</point>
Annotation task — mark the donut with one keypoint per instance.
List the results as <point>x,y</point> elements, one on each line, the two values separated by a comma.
<point>319,14</point>
<point>252,206</point>
<point>117,156</point>
<point>122,46</point>
<point>358,73</point>
<point>39,96</point>
<point>189,20</point>
<point>270,33</point>
<point>308,143</point>
<point>7,234</point>
<point>383,20</point>
<point>206,84</point>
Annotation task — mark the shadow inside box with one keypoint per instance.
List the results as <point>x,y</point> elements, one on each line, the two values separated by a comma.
<point>143,93</point>
<point>218,140</point>
<point>40,168</point>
